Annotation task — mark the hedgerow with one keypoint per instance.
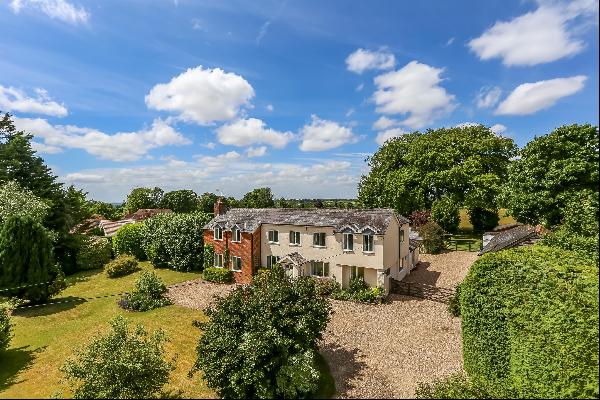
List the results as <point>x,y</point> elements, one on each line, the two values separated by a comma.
<point>129,239</point>
<point>530,323</point>
<point>219,275</point>
<point>176,240</point>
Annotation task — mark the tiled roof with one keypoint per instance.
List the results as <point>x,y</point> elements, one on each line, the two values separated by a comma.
<point>355,220</point>
<point>111,227</point>
<point>295,258</point>
<point>517,236</point>
<point>144,213</point>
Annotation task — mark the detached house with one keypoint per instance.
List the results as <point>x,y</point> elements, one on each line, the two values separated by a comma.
<point>328,243</point>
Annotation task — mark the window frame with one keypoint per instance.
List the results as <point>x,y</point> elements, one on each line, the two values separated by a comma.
<point>357,271</point>
<point>368,243</point>
<point>218,256</point>
<point>324,266</point>
<point>318,234</point>
<point>345,237</point>
<point>235,232</point>
<point>295,235</point>
<point>275,232</point>
<point>233,258</point>
<point>220,230</point>
<point>270,258</point>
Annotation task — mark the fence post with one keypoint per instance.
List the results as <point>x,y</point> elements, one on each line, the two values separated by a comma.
<point>469,246</point>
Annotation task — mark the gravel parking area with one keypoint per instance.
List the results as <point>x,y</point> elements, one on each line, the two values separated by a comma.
<point>381,351</point>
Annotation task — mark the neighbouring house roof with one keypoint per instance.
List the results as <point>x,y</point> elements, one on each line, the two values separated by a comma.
<point>144,213</point>
<point>413,244</point>
<point>294,258</point>
<point>87,225</point>
<point>517,236</point>
<point>352,220</point>
<point>111,227</point>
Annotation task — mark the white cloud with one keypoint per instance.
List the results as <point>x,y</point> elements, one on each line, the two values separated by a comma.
<point>209,145</point>
<point>270,107</point>
<point>488,97</point>
<point>256,151</point>
<point>263,31</point>
<point>322,135</point>
<point>13,99</point>
<point>544,35</point>
<point>202,95</point>
<point>384,123</point>
<point>122,146</point>
<point>84,178</point>
<point>45,149</point>
<point>450,41</point>
<point>529,98</point>
<point>350,112</point>
<point>220,162</point>
<point>413,90</point>
<point>58,9</point>
<point>245,132</point>
<point>362,60</point>
<point>466,124</point>
<point>498,129</point>
<point>360,87</point>
<point>383,136</point>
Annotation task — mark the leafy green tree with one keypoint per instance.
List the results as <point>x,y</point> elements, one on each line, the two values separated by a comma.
<point>121,364</point>
<point>206,202</point>
<point>94,252</point>
<point>433,237</point>
<point>16,201</point>
<point>180,201</point>
<point>144,198</point>
<point>552,170</point>
<point>107,210</point>
<point>261,340</point>
<point>131,239</point>
<point>78,205</point>
<point>483,220</point>
<point>259,198</point>
<point>446,213</point>
<point>410,172</point>
<point>26,259</point>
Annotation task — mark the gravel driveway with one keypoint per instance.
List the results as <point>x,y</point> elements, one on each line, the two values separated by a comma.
<point>381,351</point>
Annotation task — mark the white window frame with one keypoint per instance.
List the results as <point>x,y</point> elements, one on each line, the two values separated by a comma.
<point>218,260</point>
<point>220,230</point>
<point>368,239</point>
<point>270,259</point>
<point>293,236</point>
<point>345,241</point>
<point>236,235</point>
<point>233,259</point>
<point>357,271</point>
<point>318,234</point>
<point>271,235</point>
<point>402,233</point>
<point>323,266</point>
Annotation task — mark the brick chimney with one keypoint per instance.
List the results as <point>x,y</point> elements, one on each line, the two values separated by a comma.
<point>220,207</point>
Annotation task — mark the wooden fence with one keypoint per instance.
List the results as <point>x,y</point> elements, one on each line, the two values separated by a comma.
<point>423,291</point>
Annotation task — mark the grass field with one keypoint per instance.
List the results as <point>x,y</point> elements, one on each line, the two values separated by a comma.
<point>45,336</point>
<point>465,225</point>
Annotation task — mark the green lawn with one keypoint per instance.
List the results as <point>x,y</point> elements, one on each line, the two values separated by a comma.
<point>45,336</point>
<point>460,241</point>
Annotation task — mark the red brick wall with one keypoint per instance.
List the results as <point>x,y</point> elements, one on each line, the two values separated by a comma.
<point>244,250</point>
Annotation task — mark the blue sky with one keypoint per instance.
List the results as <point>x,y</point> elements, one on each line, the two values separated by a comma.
<point>288,94</point>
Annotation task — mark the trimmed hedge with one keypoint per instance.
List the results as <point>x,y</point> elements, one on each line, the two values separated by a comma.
<point>530,323</point>
<point>121,266</point>
<point>219,275</point>
<point>129,239</point>
<point>94,252</point>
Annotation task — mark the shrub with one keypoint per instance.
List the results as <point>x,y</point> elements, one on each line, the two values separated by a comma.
<point>419,218</point>
<point>94,252</point>
<point>446,213</point>
<point>358,290</point>
<point>260,341</point>
<point>586,246</point>
<point>208,256</point>
<point>121,266</point>
<point>483,220</point>
<point>147,295</point>
<point>530,322</point>
<point>26,259</point>
<point>455,386</point>
<point>433,237</point>
<point>219,275</point>
<point>5,328</point>
<point>176,240</point>
<point>130,239</point>
<point>454,304</point>
<point>121,364</point>
<point>326,286</point>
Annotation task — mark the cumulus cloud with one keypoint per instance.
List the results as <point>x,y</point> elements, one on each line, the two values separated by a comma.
<point>270,107</point>
<point>529,98</point>
<point>384,123</point>
<point>122,146</point>
<point>362,60</point>
<point>202,95</point>
<point>13,99</point>
<point>544,35</point>
<point>256,151</point>
<point>45,149</point>
<point>413,90</point>
<point>246,132</point>
<point>57,9</point>
<point>488,97</point>
<point>383,136</point>
<point>498,129</point>
<point>322,135</point>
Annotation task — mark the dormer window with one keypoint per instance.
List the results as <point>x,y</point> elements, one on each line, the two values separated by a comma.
<point>218,233</point>
<point>348,242</point>
<point>236,234</point>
